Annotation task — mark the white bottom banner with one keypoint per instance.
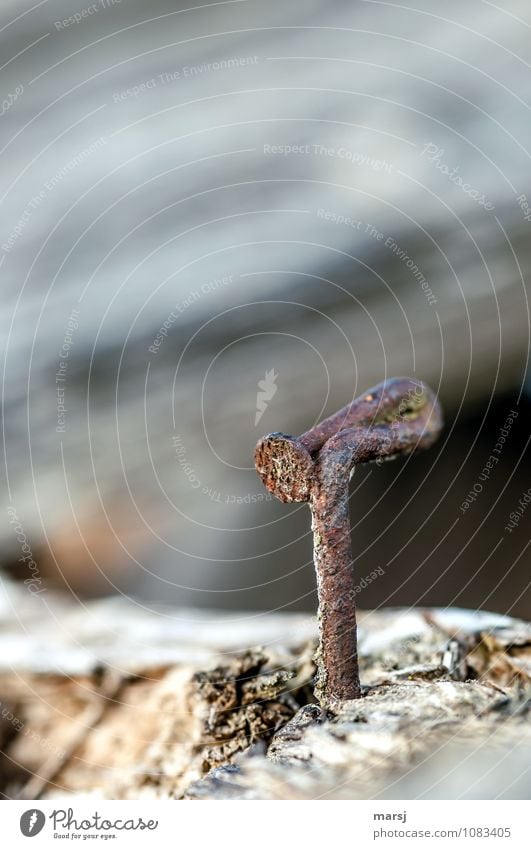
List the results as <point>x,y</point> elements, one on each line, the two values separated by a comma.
<point>264,825</point>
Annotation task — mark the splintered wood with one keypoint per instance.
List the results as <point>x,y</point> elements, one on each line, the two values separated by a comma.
<point>117,702</point>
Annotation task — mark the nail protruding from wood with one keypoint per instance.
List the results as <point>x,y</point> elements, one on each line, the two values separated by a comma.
<point>395,418</point>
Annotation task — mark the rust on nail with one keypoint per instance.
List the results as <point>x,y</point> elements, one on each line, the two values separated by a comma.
<point>396,417</point>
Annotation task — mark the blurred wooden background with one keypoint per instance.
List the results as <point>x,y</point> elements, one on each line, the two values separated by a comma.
<point>140,178</point>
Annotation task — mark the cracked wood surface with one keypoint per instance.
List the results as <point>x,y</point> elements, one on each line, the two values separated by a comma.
<point>115,701</point>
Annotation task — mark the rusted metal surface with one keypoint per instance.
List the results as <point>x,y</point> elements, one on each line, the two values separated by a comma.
<point>394,418</point>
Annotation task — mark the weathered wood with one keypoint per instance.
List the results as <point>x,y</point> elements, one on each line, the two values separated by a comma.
<point>115,701</point>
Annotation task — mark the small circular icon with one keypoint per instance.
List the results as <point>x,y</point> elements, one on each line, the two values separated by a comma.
<point>32,822</point>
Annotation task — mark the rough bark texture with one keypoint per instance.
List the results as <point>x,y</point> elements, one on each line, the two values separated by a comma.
<point>117,702</point>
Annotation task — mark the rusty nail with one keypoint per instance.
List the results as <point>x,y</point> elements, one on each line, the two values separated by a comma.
<point>396,417</point>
